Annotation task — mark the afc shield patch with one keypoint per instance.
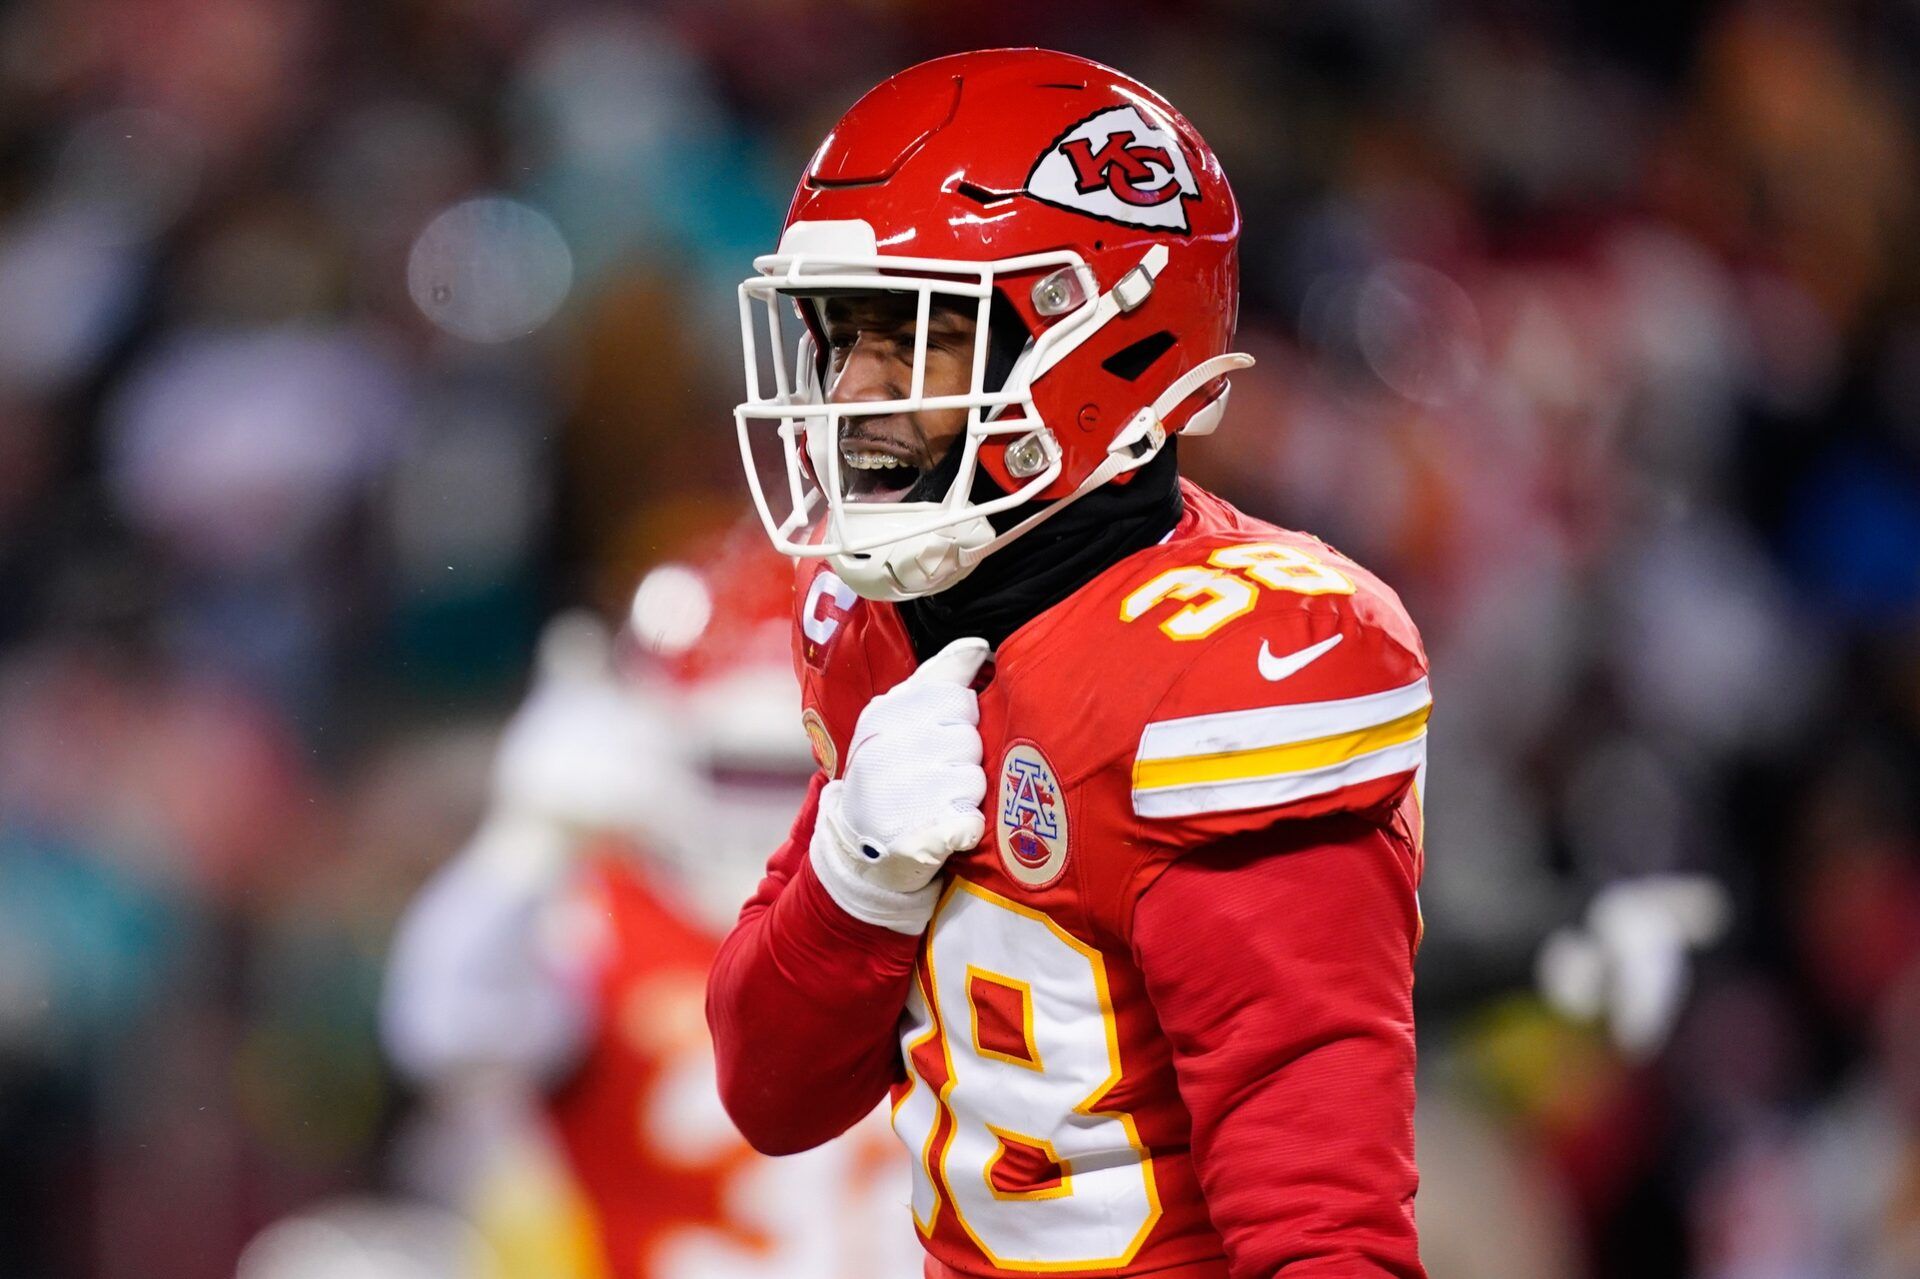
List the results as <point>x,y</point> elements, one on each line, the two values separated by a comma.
<point>1032,817</point>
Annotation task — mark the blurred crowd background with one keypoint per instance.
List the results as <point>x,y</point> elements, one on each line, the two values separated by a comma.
<point>342,343</point>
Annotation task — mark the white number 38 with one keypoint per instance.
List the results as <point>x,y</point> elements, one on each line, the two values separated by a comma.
<point>1037,1177</point>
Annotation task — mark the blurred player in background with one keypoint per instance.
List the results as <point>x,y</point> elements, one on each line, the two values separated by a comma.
<point>560,958</point>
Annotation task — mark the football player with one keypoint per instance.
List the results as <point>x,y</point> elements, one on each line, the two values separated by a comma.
<point>1109,871</point>
<point>565,950</point>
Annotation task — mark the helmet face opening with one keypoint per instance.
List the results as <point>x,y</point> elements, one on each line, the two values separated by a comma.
<point>786,309</point>
<point>866,344</point>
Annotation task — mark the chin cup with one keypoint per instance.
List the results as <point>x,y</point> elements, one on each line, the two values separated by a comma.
<point>912,566</point>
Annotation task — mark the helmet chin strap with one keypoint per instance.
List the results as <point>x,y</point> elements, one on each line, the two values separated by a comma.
<point>932,562</point>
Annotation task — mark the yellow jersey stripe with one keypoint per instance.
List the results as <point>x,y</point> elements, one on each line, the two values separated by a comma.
<point>1270,761</point>
<point>1287,788</point>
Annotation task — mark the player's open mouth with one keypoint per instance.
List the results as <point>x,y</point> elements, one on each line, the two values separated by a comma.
<point>877,470</point>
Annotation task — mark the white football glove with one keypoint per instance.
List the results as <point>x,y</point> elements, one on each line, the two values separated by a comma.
<point>910,797</point>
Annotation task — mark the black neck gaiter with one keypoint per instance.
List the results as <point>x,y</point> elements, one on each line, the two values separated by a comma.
<point>1045,565</point>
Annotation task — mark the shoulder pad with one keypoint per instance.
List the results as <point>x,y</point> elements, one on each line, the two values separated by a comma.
<point>1290,681</point>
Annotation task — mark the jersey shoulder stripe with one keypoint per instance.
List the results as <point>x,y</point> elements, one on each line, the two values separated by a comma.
<point>1275,755</point>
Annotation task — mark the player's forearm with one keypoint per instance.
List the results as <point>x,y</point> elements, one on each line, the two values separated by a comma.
<point>802,1001</point>
<point>1299,1074</point>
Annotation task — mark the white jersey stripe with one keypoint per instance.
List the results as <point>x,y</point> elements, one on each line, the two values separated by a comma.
<point>1284,788</point>
<point>1277,725</point>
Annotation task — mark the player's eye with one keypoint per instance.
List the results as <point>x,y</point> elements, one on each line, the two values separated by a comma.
<point>889,341</point>
<point>893,342</point>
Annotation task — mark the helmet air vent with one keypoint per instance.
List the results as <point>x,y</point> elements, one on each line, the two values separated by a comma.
<point>982,195</point>
<point>1129,362</point>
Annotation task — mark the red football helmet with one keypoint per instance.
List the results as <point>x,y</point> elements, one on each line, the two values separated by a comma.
<point>709,644</point>
<point>1039,190</point>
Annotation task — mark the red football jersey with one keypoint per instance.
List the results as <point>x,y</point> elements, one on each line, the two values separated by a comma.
<point>1096,1077</point>
<point>670,1189</point>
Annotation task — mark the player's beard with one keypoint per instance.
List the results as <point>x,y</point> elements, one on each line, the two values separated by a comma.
<point>935,480</point>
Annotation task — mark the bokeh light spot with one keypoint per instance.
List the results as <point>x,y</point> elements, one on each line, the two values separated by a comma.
<point>490,269</point>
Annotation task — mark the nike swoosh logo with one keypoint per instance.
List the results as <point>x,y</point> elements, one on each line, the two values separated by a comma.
<point>1278,668</point>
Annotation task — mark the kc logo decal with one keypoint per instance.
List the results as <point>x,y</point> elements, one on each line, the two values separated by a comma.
<point>1119,166</point>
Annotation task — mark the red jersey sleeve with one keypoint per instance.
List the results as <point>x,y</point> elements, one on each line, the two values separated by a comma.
<point>1311,704</point>
<point>802,1001</point>
<point>1298,1074</point>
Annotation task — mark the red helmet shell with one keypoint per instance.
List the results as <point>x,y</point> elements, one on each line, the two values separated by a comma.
<point>957,158</point>
<point>734,613</point>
